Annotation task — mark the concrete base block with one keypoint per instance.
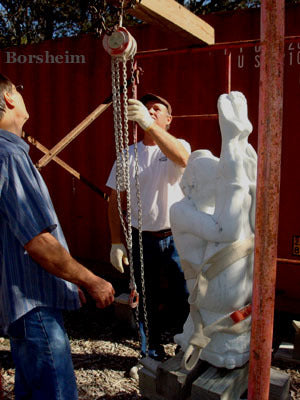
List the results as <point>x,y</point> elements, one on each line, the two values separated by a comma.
<point>175,383</point>
<point>279,385</point>
<point>147,384</point>
<point>168,381</point>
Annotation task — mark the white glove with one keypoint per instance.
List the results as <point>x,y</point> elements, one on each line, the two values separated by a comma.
<point>118,256</point>
<point>139,113</point>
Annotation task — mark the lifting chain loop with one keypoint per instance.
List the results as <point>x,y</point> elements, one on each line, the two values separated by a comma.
<point>139,202</point>
<point>123,178</point>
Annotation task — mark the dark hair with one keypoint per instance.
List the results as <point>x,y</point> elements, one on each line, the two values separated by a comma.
<point>5,86</point>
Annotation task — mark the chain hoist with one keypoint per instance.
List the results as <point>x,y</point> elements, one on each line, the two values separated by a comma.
<point>122,47</point>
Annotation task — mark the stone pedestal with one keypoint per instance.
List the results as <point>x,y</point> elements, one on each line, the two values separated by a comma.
<point>168,381</point>
<point>175,383</point>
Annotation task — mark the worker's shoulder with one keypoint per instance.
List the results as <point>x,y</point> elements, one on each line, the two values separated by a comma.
<point>8,149</point>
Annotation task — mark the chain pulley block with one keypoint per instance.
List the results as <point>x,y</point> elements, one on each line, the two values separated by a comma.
<point>120,44</point>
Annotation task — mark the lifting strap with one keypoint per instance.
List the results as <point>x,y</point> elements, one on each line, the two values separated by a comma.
<point>237,322</point>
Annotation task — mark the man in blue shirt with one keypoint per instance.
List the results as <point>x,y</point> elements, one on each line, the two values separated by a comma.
<point>38,276</point>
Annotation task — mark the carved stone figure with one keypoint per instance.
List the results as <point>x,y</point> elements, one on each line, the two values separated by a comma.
<point>213,228</point>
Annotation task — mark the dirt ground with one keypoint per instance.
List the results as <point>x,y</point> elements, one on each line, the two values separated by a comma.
<point>105,348</point>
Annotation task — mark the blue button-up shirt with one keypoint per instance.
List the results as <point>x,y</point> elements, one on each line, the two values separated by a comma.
<point>25,211</point>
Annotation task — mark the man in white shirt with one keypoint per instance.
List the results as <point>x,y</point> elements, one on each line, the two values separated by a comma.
<point>161,162</point>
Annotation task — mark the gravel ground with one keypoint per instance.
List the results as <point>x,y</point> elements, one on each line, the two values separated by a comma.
<point>104,349</point>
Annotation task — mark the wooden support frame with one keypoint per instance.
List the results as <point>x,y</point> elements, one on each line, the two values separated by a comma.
<point>67,167</point>
<point>172,16</point>
<point>84,124</point>
<point>71,135</point>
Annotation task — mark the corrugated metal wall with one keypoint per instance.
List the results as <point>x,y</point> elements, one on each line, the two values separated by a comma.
<point>59,94</point>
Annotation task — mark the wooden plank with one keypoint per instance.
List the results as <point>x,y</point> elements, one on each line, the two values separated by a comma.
<point>286,353</point>
<point>84,124</point>
<point>175,383</point>
<point>172,16</point>
<point>221,384</point>
<point>296,353</point>
<point>66,166</point>
<point>60,162</point>
<point>296,325</point>
<point>71,135</point>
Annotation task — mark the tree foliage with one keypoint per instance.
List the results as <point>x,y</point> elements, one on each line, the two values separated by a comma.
<point>205,7</point>
<point>32,21</point>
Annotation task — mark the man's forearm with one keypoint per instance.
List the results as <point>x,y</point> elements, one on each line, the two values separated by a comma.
<point>169,145</point>
<point>55,259</point>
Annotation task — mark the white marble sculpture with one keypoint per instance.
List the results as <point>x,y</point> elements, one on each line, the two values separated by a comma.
<point>213,228</point>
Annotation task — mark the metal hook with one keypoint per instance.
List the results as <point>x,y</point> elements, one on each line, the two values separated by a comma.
<point>121,14</point>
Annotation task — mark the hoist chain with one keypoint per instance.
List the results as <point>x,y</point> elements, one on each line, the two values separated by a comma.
<point>118,136</point>
<point>126,172</point>
<point>139,202</point>
<point>123,175</point>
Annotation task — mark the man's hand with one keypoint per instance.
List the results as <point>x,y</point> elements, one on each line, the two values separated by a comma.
<point>139,113</point>
<point>101,291</point>
<point>118,256</point>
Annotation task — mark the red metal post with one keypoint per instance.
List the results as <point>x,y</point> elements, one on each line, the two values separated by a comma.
<point>228,71</point>
<point>268,185</point>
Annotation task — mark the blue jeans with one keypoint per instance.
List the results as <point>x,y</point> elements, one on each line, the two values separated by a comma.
<point>161,261</point>
<point>42,356</point>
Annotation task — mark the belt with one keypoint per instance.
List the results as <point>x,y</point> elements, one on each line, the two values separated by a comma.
<point>159,234</point>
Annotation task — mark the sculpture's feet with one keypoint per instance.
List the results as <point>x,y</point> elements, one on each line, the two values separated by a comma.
<point>223,351</point>
<point>227,350</point>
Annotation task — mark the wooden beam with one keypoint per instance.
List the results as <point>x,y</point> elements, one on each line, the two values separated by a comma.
<point>67,167</point>
<point>71,135</point>
<point>84,124</point>
<point>171,15</point>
